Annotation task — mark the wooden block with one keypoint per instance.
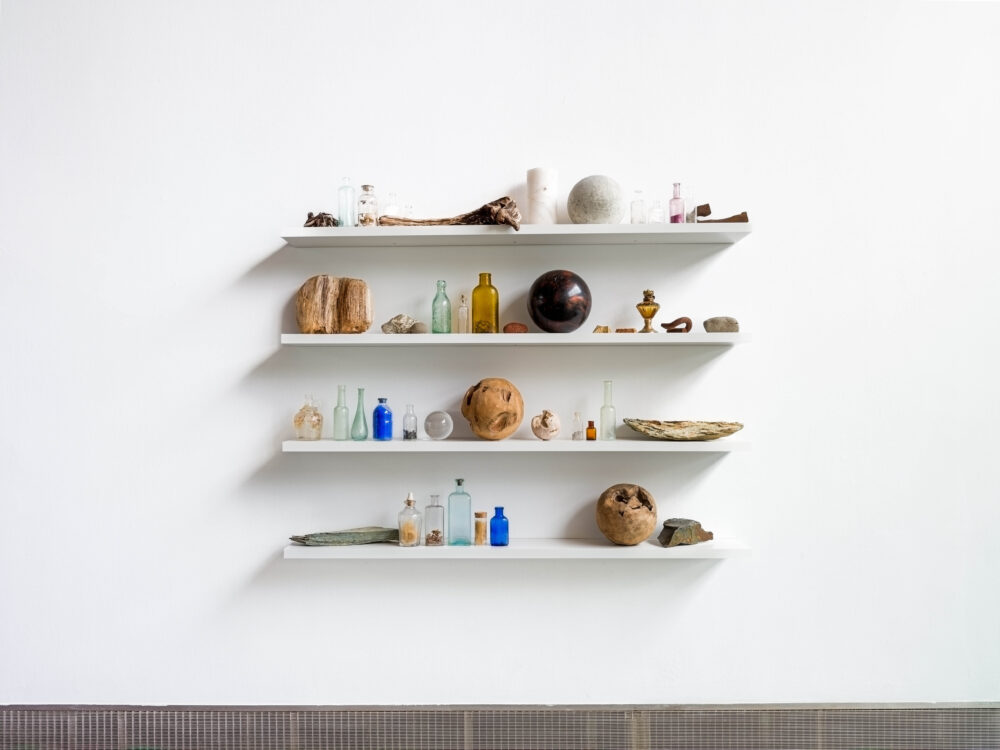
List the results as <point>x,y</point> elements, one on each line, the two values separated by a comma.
<point>333,304</point>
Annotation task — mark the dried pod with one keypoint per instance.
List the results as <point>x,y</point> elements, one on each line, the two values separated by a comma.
<point>494,408</point>
<point>545,425</point>
<point>626,514</point>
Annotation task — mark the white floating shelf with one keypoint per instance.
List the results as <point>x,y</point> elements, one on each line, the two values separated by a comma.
<point>525,549</point>
<point>514,339</point>
<point>529,234</point>
<point>515,445</point>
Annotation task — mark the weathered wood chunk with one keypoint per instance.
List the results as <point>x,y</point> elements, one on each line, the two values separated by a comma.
<point>678,531</point>
<point>501,211</point>
<point>333,304</point>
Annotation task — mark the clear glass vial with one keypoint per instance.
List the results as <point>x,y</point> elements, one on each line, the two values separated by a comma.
<point>382,420</point>
<point>409,424</point>
<point>499,528</point>
<point>638,208</point>
<point>346,204</point>
<point>463,315</point>
<point>485,306</point>
<point>441,310</point>
<point>367,207</point>
<point>341,415</point>
<point>409,523</point>
<point>460,515</point>
<point>434,523</point>
<point>608,419</point>
<point>578,432</point>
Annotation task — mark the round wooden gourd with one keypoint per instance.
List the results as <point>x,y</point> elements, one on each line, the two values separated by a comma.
<point>494,408</point>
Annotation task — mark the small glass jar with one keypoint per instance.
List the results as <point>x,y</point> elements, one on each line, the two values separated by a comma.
<point>308,421</point>
<point>367,207</point>
<point>434,523</point>
<point>591,430</point>
<point>409,424</point>
<point>480,530</point>
<point>409,523</point>
<point>499,528</point>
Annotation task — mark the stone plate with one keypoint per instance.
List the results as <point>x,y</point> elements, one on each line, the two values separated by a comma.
<point>683,430</point>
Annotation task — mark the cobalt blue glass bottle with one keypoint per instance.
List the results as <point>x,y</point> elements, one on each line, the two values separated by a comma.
<point>499,529</point>
<point>382,421</point>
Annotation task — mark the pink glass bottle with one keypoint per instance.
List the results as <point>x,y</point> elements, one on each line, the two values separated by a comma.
<point>677,206</point>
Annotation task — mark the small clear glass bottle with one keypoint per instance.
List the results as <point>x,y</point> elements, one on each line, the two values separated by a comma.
<point>341,415</point>
<point>485,306</point>
<point>367,207</point>
<point>638,208</point>
<point>346,204</point>
<point>578,431</point>
<point>463,315</point>
<point>459,515</point>
<point>409,424</point>
<point>591,430</point>
<point>409,523</point>
<point>677,206</point>
<point>441,310</point>
<point>434,523</point>
<point>608,419</point>
<point>656,214</point>
<point>499,528</point>
<point>359,430</point>
<point>480,531</point>
<point>308,421</point>
<point>382,420</point>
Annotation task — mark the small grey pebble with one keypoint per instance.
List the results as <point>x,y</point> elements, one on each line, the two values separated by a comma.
<point>721,325</point>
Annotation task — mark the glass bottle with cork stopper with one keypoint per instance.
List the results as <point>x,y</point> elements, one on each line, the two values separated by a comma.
<point>409,523</point>
<point>480,527</point>
<point>367,207</point>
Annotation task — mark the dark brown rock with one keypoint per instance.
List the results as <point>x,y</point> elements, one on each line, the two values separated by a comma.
<point>678,531</point>
<point>515,328</point>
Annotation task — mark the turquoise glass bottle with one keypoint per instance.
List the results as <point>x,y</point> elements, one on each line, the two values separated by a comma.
<point>499,529</point>
<point>460,515</point>
<point>359,430</point>
<point>441,311</point>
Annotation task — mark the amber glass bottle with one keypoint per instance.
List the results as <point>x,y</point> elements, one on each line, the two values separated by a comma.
<point>485,306</point>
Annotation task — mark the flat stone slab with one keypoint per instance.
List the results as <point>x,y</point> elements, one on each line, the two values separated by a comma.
<point>683,430</point>
<point>360,535</point>
<point>680,531</point>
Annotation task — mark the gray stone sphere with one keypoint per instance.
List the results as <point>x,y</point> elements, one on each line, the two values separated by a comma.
<point>597,199</point>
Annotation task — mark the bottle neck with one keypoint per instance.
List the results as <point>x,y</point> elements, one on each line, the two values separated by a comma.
<point>677,190</point>
<point>441,286</point>
<point>485,279</point>
<point>607,393</point>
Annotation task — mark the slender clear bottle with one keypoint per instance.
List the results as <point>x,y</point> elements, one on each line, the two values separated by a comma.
<point>367,207</point>
<point>499,528</point>
<point>485,306</point>
<point>346,204</point>
<point>463,315</point>
<point>409,424</point>
<point>359,430</point>
<point>677,206</point>
<point>460,515</point>
<point>608,420</point>
<point>441,311</point>
<point>434,523</point>
<point>382,420</point>
<point>341,415</point>
<point>409,523</point>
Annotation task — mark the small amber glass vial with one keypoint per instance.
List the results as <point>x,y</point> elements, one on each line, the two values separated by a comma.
<point>480,527</point>
<point>591,430</point>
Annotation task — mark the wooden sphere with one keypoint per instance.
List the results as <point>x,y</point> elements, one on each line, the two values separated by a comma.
<point>626,514</point>
<point>494,408</point>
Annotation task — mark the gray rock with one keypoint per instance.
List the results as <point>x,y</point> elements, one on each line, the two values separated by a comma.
<point>361,535</point>
<point>597,199</point>
<point>419,327</point>
<point>678,531</point>
<point>401,323</point>
<point>722,325</point>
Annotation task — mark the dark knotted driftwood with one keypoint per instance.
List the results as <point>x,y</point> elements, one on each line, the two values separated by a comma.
<point>501,211</point>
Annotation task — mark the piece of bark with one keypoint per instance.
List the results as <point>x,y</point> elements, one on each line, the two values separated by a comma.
<point>333,304</point>
<point>740,218</point>
<point>501,211</point>
<point>361,535</point>
<point>678,531</point>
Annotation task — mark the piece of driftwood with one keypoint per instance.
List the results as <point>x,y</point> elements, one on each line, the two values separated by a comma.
<point>360,535</point>
<point>320,220</point>
<point>680,325</point>
<point>333,304</point>
<point>683,430</point>
<point>501,211</point>
<point>740,218</point>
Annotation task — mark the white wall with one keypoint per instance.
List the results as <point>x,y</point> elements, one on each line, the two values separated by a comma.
<point>150,154</point>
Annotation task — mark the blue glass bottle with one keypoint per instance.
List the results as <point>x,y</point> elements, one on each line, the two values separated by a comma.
<point>499,529</point>
<point>382,421</point>
<point>460,515</point>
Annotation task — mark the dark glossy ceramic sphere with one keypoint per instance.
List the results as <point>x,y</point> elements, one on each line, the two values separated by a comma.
<point>559,301</point>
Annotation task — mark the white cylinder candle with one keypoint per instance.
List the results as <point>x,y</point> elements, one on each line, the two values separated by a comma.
<point>543,185</point>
